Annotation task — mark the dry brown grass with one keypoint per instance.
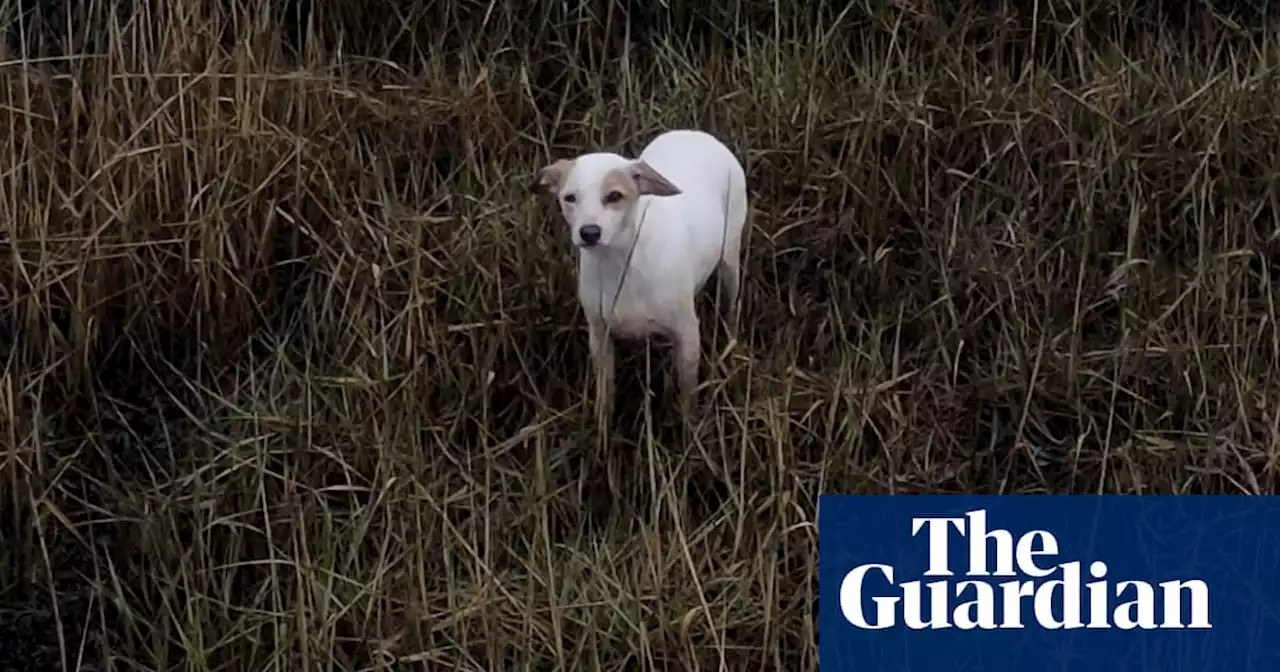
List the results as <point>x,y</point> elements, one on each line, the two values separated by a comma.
<point>294,377</point>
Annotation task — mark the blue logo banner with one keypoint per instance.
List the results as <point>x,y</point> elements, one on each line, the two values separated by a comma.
<point>1038,583</point>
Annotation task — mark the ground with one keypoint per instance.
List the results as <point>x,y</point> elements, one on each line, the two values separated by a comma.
<point>294,375</point>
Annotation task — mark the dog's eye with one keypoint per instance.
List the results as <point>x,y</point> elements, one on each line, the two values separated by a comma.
<point>570,198</point>
<point>613,197</point>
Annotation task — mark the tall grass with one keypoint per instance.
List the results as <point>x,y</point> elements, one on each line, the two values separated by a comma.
<point>294,376</point>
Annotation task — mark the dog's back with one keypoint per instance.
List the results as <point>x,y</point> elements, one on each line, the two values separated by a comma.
<point>712,205</point>
<point>698,163</point>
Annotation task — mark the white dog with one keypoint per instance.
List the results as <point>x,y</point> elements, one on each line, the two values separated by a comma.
<point>649,232</point>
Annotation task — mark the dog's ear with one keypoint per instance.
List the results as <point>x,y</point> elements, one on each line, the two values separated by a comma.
<point>650,181</point>
<point>551,176</point>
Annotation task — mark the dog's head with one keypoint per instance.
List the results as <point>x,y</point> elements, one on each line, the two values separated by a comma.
<point>597,193</point>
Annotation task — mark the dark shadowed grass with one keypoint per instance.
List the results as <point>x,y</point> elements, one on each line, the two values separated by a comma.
<point>294,376</point>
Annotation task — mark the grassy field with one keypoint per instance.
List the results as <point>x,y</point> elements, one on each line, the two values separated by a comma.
<point>294,376</point>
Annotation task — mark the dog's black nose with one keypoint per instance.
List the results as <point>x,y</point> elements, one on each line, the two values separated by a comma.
<point>590,234</point>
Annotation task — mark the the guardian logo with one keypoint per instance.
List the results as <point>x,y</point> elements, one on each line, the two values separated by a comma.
<point>980,602</point>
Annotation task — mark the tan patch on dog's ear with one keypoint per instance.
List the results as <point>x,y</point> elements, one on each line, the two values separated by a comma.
<point>617,190</point>
<point>651,182</point>
<point>551,176</point>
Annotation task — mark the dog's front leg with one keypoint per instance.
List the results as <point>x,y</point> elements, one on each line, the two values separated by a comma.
<point>601,345</point>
